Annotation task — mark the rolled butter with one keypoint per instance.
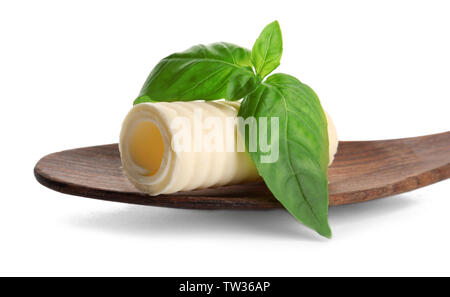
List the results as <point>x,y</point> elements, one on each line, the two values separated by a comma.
<point>148,140</point>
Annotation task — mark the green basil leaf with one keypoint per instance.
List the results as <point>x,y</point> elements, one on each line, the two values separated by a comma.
<point>267,50</point>
<point>201,73</point>
<point>142,99</point>
<point>298,179</point>
<point>240,85</point>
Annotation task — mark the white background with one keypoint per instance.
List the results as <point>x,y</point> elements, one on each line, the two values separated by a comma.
<point>69,71</point>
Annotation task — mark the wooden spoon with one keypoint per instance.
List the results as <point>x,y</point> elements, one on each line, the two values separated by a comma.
<point>362,171</point>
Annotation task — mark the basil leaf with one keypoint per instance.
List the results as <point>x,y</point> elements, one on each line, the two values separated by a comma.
<point>240,85</point>
<point>267,50</point>
<point>220,70</point>
<point>142,99</point>
<point>298,179</point>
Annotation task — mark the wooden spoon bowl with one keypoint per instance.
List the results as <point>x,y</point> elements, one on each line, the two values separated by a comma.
<point>362,171</point>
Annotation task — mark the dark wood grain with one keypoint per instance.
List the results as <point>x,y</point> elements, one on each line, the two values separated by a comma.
<point>362,171</point>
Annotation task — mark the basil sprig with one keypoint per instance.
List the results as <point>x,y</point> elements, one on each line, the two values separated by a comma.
<point>298,179</point>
